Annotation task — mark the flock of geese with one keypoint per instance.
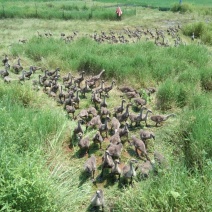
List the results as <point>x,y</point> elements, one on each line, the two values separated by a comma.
<point>113,125</point>
<point>161,37</point>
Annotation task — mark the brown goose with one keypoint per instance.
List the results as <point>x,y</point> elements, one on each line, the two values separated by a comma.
<point>139,145</point>
<point>29,73</point>
<point>17,67</point>
<point>83,114</point>
<point>98,139</point>
<point>4,73</point>
<point>90,166</point>
<point>95,99</point>
<point>35,68</point>
<point>139,102</point>
<point>107,162</point>
<point>22,77</point>
<point>92,111</point>
<point>116,170</point>
<point>84,142</point>
<point>95,78</point>
<point>145,135</point>
<point>131,95</point>
<point>71,109</point>
<point>129,171</point>
<point>101,89</point>
<point>66,78</point>
<point>123,117</point>
<point>78,80</point>
<point>5,60</point>
<point>158,119</point>
<point>125,89</point>
<point>98,199</point>
<point>109,88</point>
<point>85,89</point>
<point>120,108</point>
<point>61,95</point>
<point>78,129</point>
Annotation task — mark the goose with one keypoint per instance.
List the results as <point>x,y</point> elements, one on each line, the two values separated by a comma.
<point>139,145</point>
<point>66,78</point>
<point>96,78</point>
<point>120,109</point>
<point>128,171</point>
<point>158,119</point>
<point>98,139</point>
<point>107,162</point>
<point>116,170</point>
<point>98,199</point>
<point>90,166</point>
<point>17,67</point>
<point>83,143</point>
<point>109,88</point>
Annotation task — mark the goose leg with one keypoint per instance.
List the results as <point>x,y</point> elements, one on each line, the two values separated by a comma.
<point>136,150</point>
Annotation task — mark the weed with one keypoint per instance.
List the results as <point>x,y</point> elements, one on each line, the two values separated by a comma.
<point>182,8</point>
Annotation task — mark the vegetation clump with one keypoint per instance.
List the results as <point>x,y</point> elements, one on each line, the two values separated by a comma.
<point>182,8</point>
<point>201,30</point>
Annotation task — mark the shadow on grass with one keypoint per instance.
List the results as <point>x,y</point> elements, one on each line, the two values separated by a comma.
<point>83,177</point>
<point>94,209</point>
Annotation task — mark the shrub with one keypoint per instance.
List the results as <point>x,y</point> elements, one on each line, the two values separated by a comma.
<point>181,95</point>
<point>171,94</point>
<point>201,30</point>
<point>173,190</point>
<point>165,95</point>
<point>197,28</point>
<point>25,184</point>
<point>206,37</point>
<point>195,135</point>
<point>206,79</point>
<point>199,101</point>
<point>182,8</point>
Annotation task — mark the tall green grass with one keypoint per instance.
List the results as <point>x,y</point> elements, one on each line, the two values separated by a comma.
<point>155,3</point>
<point>196,136</point>
<point>201,30</point>
<point>35,174</point>
<point>25,184</point>
<point>80,10</point>
<point>172,191</point>
<point>144,2</point>
<point>188,65</point>
<point>182,8</point>
<point>189,8</point>
<point>60,10</point>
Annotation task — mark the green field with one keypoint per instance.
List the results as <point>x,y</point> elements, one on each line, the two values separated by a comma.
<point>154,3</point>
<point>41,163</point>
<point>163,3</point>
<point>97,10</point>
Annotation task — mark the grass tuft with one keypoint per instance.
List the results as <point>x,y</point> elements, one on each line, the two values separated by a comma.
<point>182,8</point>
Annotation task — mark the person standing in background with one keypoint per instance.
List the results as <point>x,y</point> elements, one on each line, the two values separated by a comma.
<point>118,13</point>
